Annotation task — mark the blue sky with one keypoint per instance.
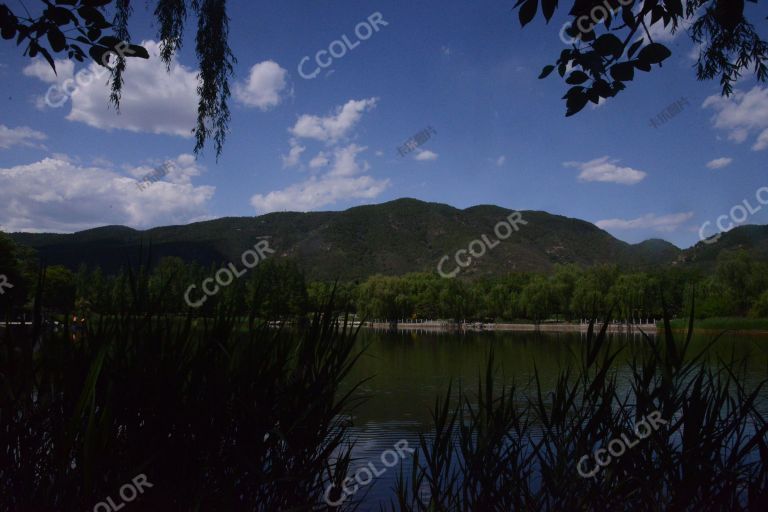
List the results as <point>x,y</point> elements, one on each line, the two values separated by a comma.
<point>466,69</point>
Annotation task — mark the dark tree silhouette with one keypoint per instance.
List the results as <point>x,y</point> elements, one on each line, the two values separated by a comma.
<point>600,66</point>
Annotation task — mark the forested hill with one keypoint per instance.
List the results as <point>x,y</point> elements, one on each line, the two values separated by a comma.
<point>392,238</point>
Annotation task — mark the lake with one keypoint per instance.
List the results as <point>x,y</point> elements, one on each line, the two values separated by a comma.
<point>410,370</point>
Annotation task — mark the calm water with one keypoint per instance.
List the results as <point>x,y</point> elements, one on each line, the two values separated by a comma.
<point>411,369</point>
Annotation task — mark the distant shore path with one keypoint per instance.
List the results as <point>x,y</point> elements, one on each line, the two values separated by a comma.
<point>550,327</point>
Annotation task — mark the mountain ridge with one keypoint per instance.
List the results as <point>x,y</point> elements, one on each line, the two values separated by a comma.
<point>395,237</point>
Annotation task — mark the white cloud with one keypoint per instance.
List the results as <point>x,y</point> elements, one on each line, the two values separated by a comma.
<point>319,160</point>
<point>741,115</point>
<point>294,155</point>
<point>424,155</point>
<point>501,160</point>
<point>605,170</point>
<point>333,127</point>
<point>20,136</point>
<point>342,179</point>
<point>661,223</point>
<point>180,170</point>
<point>57,195</point>
<point>41,70</point>
<point>153,100</point>
<point>315,193</point>
<point>719,163</point>
<point>762,141</point>
<point>262,89</point>
<point>339,183</point>
<point>345,161</point>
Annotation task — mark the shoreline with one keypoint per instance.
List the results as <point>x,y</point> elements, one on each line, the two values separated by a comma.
<point>508,327</point>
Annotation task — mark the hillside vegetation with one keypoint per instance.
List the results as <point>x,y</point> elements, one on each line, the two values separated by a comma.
<point>392,238</point>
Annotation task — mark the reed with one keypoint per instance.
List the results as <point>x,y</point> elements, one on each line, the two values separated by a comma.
<point>510,448</point>
<point>216,419</point>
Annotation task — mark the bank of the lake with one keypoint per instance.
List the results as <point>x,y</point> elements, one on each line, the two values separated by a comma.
<point>443,325</point>
<point>741,325</point>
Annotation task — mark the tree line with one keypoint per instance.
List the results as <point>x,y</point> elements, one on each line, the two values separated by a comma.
<point>278,289</point>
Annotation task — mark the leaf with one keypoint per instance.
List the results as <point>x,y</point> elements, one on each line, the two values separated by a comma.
<point>56,39</point>
<point>577,77</point>
<point>573,90</point>
<point>546,71</point>
<point>642,65</point>
<point>96,3</point>
<point>654,53</point>
<point>628,17</point>
<point>548,8</point>
<point>93,17</point>
<point>138,51</point>
<point>608,44</point>
<point>23,32</point>
<point>675,7</point>
<point>632,49</point>
<point>66,2</point>
<point>97,53</point>
<point>60,15</point>
<point>657,13</point>
<point>623,71</point>
<point>575,102</point>
<point>49,59</point>
<point>603,89</point>
<point>527,11</point>
<point>109,41</point>
<point>8,31</point>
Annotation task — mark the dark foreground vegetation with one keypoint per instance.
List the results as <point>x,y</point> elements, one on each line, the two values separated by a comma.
<point>220,412</point>
<point>532,448</point>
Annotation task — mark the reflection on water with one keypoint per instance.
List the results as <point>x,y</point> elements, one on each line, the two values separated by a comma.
<point>411,369</point>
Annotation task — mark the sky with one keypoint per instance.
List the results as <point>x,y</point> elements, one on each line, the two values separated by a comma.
<point>311,138</point>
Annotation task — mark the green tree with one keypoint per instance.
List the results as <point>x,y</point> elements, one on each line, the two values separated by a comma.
<point>538,298</point>
<point>59,288</point>
<point>13,278</point>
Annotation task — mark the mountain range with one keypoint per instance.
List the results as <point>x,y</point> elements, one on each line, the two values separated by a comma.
<point>393,238</point>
